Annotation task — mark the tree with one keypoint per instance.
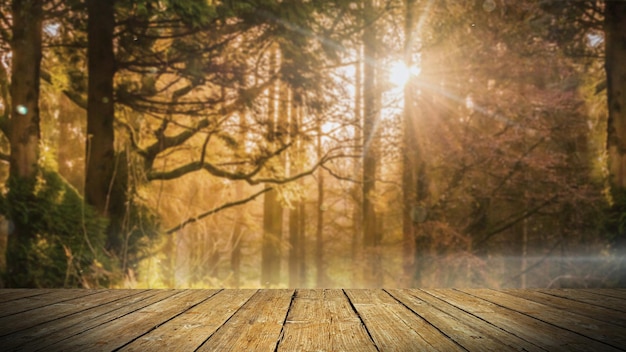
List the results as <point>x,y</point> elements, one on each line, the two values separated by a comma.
<point>585,24</point>
<point>411,155</point>
<point>23,132</point>
<point>320,276</point>
<point>101,163</point>
<point>55,237</point>
<point>371,117</point>
<point>272,209</point>
<point>170,68</point>
<point>217,116</point>
<point>483,151</point>
<point>297,272</point>
<point>615,37</point>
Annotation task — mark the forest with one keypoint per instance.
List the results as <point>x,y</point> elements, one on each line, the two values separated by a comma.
<point>307,143</point>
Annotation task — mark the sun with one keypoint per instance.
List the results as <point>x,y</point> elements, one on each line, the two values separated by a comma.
<point>399,73</point>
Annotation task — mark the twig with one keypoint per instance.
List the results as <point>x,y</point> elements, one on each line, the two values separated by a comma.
<point>215,210</point>
<point>536,264</point>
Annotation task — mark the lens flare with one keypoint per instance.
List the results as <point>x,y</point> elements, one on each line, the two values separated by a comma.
<point>489,5</point>
<point>21,109</point>
<point>399,73</point>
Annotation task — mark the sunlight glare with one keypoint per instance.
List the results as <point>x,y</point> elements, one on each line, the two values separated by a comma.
<point>399,73</point>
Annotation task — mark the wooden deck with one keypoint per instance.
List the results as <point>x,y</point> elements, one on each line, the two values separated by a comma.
<point>313,320</point>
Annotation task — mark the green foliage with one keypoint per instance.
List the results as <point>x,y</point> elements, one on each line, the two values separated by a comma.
<point>194,13</point>
<point>64,236</point>
<point>133,223</point>
<point>615,221</point>
<point>133,232</point>
<point>615,228</point>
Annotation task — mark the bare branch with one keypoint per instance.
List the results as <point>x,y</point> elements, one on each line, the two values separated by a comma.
<point>214,170</point>
<point>517,166</point>
<point>164,142</point>
<point>509,224</point>
<point>281,181</point>
<point>536,264</point>
<point>133,137</point>
<point>215,210</point>
<point>172,141</point>
<point>339,177</point>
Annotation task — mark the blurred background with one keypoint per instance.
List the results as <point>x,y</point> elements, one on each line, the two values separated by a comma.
<point>262,143</point>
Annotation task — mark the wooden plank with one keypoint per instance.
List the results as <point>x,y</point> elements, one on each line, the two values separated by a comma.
<point>287,320</point>
<point>55,332</point>
<point>528,328</point>
<point>589,298</point>
<point>467,330</point>
<point>322,306</point>
<point>17,293</point>
<point>255,327</point>
<point>609,334</point>
<point>30,318</point>
<point>617,293</point>
<point>323,320</point>
<point>37,301</point>
<point>595,312</point>
<point>189,330</point>
<point>393,327</point>
<point>117,333</point>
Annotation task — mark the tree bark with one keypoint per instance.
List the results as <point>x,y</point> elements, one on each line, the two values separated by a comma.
<point>371,96</point>
<point>272,236</point>
<point>357,219</point>
<point>294,247</point>
<point>235,241</point>
<point>615,38</point>
<point>100,151</point>
<point>24,134</point>
<point>616,89</point>
<point>302,249</point>
<point>409,151</point>
<point>319,234</point>
<point>415,182</point>
<point>295,213</point>
<point>272,210</point>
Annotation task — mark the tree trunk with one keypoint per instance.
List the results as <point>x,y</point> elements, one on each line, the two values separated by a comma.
<point>409,152</point>
<point>319,234</point>
<point>295,213</point>
<point>357,220</point>
<point>272,236</point>
<point>371,96</point>
<point>272,210</point>
<point>302,251</point>
<point>235,241</point>
<point>24,135</point>
<point>100,151</point>
<point>294,246</point>
<point>615,33</point>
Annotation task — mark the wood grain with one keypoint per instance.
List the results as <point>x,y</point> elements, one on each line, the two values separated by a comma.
<point>323,320</point>
<point>313,320</point>
<point>592,328</point>
<point>526,327</point>
<point>37,301</point>
<point>466,329</point>
<point>591,298</point>
<point>189,330</point>
<point>256,326</point>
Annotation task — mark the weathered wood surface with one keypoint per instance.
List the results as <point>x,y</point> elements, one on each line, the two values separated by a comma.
<point>313,320</point>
